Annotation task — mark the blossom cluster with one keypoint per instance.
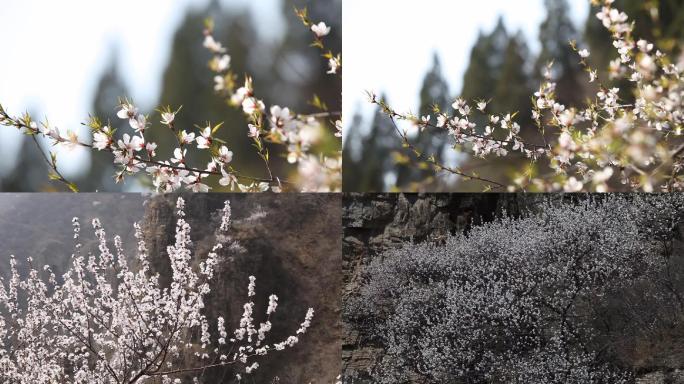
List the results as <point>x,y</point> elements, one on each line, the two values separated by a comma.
<point>608,144</point>
<point>106,321</point>
<point>280,125</point>
<point>525,300</point>
<point>134,154</point>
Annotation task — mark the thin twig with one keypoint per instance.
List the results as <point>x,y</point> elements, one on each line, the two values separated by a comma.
<point>53,166</point>
<point>441,166</point>
<point>19,125</point>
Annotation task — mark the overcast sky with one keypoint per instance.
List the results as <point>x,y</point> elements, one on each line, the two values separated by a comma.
<point>389,44</point>
<point>53,53</point>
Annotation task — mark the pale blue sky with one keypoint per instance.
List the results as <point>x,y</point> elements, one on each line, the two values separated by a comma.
<point>388,45</point>
<point>54,52</point>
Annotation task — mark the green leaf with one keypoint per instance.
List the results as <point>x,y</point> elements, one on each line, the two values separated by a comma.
<point>303,15</point>
<point>216,128</point>
<point>209,24</point>
<point>72,187</point>
<point>317,103</point>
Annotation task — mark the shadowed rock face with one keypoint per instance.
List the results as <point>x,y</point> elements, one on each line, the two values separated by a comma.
<point>294,252</point>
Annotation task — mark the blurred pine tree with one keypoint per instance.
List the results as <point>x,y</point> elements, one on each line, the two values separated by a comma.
<point>29,172</point>
<point>513,87</point>
<point>368,170</point>
<point>555,34</point>
<point>110,87</point>
<point>434,92</point>
<point>486,60</point>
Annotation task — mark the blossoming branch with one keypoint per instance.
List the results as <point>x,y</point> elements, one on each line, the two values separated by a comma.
<point>134,154</point>
<point>105,321</point>
<point>607,145</point>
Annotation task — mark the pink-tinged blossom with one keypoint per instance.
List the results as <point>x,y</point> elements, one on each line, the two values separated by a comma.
<point>186,138</point>
<point>151,148</point>
<point>223,63</point>
<point>194,184</point>
<point>102,139</point>
<point>228,179</point>
<point>179,156</point>
<point>139,123</point>
<point>167,118</point>
<point>250,105</point>
<point>213,45</point>
<point>131,144</point>
<point>253,131</point>
<point>128,111</point>
<point>225,156</point>
<point>204,140</point>
<point>333,65</point>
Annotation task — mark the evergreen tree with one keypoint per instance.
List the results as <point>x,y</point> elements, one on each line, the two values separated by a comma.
<point>367,170</point>
<point>110,88</point>
<point>486,60</point>
<point>555,34</point>
<point>30,171</point>
<point>513,89</point>
<point>434,92</point>
<point>499,71</point>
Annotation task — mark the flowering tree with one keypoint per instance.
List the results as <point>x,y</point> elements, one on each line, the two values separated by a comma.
<point>611,143</point>
<point>105,321</point>
<point>275,125</point>
<point>547,298</point>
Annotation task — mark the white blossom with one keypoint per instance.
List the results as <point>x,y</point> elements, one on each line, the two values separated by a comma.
<point>320,29</point>
<point>109,319</point>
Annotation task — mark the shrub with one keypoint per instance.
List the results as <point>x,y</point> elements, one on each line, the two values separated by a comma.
<point>523,300</point>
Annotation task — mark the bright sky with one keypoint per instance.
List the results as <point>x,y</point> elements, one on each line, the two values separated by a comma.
<point>388,45</point>
<point>55,51</point>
